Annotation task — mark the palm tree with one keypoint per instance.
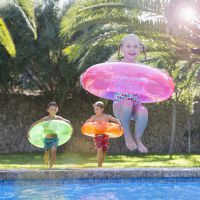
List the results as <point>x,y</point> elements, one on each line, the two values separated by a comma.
<point>89,25</point>
<point>105,22</point>
<point>27,10</point>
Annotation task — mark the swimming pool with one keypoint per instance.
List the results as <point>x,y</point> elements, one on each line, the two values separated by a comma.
<point>102,189</point>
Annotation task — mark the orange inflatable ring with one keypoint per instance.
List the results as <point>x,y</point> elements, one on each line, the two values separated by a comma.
<point>94,128</point>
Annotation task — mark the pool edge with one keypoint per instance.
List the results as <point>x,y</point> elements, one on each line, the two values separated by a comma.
<point>99,173</point>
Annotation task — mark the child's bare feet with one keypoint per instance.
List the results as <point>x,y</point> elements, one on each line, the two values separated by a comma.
<point>141,148</point>
<point>130,143</point>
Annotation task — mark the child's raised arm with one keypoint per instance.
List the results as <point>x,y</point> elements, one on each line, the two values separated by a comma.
<point>63,119</point>
<point>112,119</point>
<point>91,119</point>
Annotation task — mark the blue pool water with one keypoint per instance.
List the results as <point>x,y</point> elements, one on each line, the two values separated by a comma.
<point>102,189</point>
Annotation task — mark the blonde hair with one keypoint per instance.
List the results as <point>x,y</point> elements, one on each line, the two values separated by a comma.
<point>137,38</point>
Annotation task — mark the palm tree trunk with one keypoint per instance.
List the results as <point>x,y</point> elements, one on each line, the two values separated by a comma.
<point>41,84</point>
<point>173,130</point>
<point>189,136</point>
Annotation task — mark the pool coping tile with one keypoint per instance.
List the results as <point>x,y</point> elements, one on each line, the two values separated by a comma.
<point>100,173</point>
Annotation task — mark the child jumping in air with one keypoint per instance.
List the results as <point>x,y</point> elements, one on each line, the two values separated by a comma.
<point>126,106</point>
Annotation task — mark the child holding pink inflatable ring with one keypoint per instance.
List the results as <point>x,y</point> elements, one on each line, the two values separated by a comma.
<point>126,106</point>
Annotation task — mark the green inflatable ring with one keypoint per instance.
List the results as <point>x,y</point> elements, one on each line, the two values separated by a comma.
<point>38,132</point>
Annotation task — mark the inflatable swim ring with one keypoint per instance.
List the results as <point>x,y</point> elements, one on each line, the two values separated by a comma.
<point>38,132</point>
<point>94,128</point>
<point>150,84</point>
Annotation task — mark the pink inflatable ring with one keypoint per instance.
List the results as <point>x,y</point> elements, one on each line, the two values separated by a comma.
<point>150,84</point>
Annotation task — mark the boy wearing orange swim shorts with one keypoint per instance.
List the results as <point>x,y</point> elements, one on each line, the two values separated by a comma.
<point>101,140</point>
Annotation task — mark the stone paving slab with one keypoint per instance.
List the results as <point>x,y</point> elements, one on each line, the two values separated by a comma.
<point>99,173</point>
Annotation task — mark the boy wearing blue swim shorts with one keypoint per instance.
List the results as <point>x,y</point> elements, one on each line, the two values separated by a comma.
<point>51,139</point>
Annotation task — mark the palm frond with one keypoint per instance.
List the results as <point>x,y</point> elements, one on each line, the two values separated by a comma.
<point>83,12</point>
<point>155,6</point>
<point>6,39</point>
<point>26,7</point>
